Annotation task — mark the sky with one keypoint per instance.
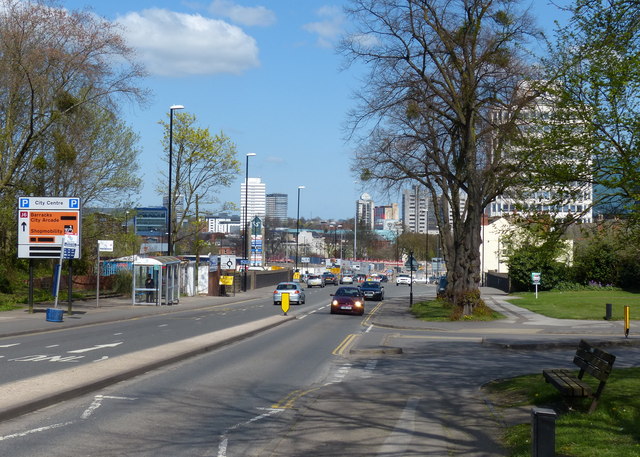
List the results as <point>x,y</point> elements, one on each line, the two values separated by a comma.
<point>264,72</point>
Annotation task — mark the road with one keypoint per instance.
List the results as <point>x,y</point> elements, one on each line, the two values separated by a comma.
<point>294,390</point>
<point>259,373</point>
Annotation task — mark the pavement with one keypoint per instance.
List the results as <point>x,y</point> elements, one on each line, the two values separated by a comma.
<point>521,329</point>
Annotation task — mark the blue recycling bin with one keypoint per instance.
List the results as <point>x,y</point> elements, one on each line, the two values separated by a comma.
<point>54,315</point>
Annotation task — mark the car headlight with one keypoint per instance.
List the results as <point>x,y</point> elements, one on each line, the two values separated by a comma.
<point>358,304</point>
<point>334,302</point>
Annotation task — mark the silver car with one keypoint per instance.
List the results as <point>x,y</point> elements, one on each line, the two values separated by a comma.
<point>296,293</point>
<point>315,281</point>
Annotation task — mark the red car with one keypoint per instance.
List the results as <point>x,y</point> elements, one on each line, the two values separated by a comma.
<point>348,300</point>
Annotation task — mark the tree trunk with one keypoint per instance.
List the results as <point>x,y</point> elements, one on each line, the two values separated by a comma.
<point>462,255</point>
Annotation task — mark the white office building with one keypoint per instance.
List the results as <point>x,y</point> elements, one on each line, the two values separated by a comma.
<point>417,211</point>
<point>365,211</point>
<point>255,200</point>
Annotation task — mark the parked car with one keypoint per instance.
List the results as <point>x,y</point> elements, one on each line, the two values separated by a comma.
<point>346,279</point>
<point>372,290</point>
<point>403,279</point>
<point>315,281</point>
<point>348,300</point>
<point>420,280</point>
<point>442,286</point>
<point>296,293</point>
<point>330,278</point>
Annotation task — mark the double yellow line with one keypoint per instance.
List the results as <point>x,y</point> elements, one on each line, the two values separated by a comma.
<point>365,322</point>
<point>289,401</point>
<point>342,347</point>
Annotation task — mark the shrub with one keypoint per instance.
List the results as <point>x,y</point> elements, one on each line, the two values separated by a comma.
<point>123,283</point>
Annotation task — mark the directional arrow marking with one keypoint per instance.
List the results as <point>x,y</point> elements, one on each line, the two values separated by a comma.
<point>97,346</point>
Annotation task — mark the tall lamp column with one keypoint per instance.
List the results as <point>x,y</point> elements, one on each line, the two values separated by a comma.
<point>169,215</point>
<point>246,220</point>
<point>298,226</point>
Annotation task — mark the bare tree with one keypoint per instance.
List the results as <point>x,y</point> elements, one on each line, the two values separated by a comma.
<point>441,107</point>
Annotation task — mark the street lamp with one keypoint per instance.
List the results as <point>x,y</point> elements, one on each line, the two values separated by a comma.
<point>246,219</point>
<point>172,108</point>
<point>298,226</point>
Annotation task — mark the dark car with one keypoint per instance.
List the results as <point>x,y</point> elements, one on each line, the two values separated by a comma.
<point>442,286</point>
<point>372,290</point>
<point>330,278</point>
<point>348,300</point>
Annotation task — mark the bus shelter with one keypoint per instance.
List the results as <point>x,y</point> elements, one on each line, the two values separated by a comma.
<point>156,281</point>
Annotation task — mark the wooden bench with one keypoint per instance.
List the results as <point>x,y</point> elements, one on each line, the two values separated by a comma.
<point>591,360</point>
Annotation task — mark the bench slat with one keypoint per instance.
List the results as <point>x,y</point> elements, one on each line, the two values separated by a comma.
<point>593,361</point>
<point>567,383</point>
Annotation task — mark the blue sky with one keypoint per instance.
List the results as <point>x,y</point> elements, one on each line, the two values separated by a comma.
<point>264,72</point>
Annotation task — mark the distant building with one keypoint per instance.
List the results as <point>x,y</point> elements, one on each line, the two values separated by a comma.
<point>150,223</point>
<point>224,223</point>
<point>418,215</point>
<point>277,207</point>
<point>364,210</point>
<point>383,215</point>
<point>255,199</point>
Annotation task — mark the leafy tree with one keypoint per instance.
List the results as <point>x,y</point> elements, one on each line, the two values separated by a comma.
<point>536,247</point>
<point>201,163</point>
<point>596,65</point>
<point>441,107</point>
<point>62,74</point>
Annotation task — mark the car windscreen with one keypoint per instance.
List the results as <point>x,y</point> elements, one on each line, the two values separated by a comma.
<point>286,287</point>
<point>370,284</point>
<point>342,292</point>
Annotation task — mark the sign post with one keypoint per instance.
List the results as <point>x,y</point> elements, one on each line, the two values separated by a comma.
<point>535,280</point>
<point>103,246</point>
<point>412,265</point>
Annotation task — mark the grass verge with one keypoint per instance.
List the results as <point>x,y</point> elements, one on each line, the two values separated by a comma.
<point>613,430</point>
<point>440,310</point>
<point>585,304</point>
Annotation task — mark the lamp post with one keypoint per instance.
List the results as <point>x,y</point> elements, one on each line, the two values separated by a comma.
<point>246,219</point>
<point>169,215</point>
<point>298,226</point>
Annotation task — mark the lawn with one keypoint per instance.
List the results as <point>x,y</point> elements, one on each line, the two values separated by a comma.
<point>586,304</point>
<point>613,430</point>
<point>439,310</point>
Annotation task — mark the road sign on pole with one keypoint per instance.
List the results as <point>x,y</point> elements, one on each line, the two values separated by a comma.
<point>411,263</point>
<point>42,224</point>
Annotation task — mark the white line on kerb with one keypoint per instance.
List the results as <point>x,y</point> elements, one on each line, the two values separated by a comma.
<point>224,438</point>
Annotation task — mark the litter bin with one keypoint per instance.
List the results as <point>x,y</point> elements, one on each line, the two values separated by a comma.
<point>54,315</point>
<point>543,432</point>
<point>608,313</point>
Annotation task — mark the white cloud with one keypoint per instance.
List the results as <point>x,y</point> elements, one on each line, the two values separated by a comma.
<point>330,26</point>
<point>245,15</point>
<point>177,44</point>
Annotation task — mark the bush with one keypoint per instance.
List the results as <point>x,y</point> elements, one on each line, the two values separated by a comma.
<point>123,283</point>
